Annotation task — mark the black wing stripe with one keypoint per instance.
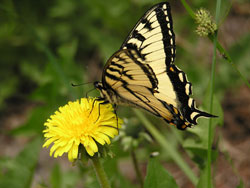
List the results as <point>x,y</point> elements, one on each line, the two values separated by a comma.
<point>116,64</point>
<point>113,77</point>
<point>138,36</point>
<point>166,32</point>
<point>148,25</point>
<point>121,72</point>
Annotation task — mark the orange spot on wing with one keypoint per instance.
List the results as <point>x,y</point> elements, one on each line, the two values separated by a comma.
<point>183,126</point>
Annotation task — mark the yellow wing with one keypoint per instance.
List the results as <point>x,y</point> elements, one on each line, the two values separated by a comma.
<point>142,72</point>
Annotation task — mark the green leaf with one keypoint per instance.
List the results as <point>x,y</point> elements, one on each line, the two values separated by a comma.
<point>18,172</point>
<point>157,176</point>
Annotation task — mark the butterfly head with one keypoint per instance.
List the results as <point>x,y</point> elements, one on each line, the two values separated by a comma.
<point>106,93</point>
<point>99,86</point>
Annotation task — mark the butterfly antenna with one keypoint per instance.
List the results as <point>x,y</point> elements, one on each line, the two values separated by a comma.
<point>76,85</point>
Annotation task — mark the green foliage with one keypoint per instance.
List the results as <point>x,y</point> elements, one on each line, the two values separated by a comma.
<point>19,171</point>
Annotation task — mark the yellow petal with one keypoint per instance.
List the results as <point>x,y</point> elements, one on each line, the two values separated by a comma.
<point>84,122</point>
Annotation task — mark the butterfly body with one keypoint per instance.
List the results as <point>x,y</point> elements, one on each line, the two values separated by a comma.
<point>142,73</point>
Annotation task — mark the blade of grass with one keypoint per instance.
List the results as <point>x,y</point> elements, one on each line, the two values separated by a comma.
<point>219,47</point>
<point>209,150</point>
<point>168,147</point>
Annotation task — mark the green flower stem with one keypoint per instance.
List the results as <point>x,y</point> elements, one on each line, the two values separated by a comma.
<point>219,47</point>
<point>137,170</point>
<point>209,149</point>
<point>100,173</point>
<point>168,147</point>
<point>188,8</point>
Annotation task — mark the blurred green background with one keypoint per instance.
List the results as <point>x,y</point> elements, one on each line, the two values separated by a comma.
<point>47,45</point>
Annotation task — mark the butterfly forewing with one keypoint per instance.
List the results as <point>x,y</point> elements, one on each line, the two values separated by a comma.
<point>124,68</point>
<point>153,36</point>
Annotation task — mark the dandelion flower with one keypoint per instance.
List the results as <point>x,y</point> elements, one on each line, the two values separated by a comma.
<point>86,122</point>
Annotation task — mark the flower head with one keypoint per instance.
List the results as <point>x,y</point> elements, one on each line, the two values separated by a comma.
<point>205,23</point>
<point>85,122</point>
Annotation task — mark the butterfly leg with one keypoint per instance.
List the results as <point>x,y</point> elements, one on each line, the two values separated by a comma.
<point>99,109</point>
<point>104,101</point>
<point>115,111</point>
<point>98,99</point>
<point>92,107</point>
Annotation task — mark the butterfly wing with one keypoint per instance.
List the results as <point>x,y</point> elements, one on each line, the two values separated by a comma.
<point>153,37</point>
<point>142,72</point>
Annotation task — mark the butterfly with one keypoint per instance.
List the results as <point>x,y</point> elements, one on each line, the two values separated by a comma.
<point>142,72</point>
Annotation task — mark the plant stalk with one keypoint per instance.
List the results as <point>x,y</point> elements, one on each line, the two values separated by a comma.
<point>100,173</point>
<point>136,167</point>
<point>209,149</point>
